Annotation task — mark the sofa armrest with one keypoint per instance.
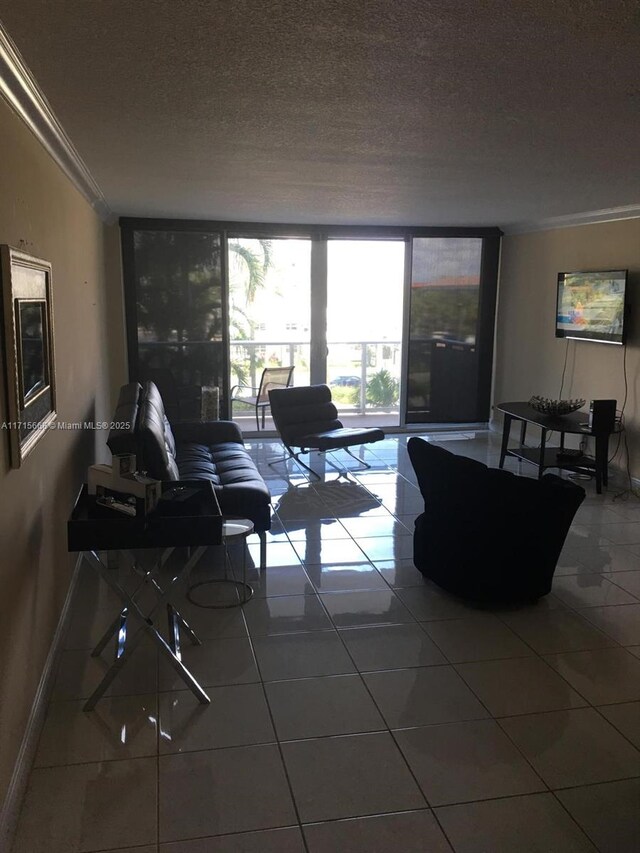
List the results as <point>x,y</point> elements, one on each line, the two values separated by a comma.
<point>206,432</point>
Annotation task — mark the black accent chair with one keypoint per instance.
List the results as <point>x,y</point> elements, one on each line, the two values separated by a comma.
<point>307,418</point>
<point>488,535</point>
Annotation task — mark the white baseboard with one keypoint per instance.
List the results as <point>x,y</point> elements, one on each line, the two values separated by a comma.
<point>18,785</point>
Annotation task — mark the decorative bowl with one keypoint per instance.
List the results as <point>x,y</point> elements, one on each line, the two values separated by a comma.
<point>555,407</point>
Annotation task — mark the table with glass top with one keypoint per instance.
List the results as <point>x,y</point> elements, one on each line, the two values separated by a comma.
<point>575,423</point>
<point>187,516</point>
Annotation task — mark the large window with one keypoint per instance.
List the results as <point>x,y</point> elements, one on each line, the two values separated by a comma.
<point>365,284</point>
<point>175,314</point>
<point>398,321</point>
<point>269,314</point>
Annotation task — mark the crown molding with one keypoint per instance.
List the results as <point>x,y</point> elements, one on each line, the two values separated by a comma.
<point>19,88</point>
<point>591,217</point>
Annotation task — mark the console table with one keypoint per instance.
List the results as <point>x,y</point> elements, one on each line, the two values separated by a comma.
<point>187,515</point>
<point>575,423</point>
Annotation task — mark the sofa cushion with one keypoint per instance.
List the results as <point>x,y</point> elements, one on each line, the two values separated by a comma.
<point>239,486</point>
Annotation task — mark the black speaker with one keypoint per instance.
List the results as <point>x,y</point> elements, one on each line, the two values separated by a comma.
<point>602,415</point>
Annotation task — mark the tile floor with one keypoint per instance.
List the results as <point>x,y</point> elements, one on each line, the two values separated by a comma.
<point>356,708</point>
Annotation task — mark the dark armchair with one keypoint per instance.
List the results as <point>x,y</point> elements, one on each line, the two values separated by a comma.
<point>306,418</point>
<point>486,534</point>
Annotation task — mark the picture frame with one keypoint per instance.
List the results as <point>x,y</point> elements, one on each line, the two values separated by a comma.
<point>28,346</point>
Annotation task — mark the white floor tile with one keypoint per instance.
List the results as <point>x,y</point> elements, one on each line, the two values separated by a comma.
<point>118,727</point>
<point>213,664</point>
<point>78,674</point>
<point>346,577</point>
<point>576,747</point>
<point>349,776</point>
<point>629,581</point>
<point>556,631</point>
<point>410,832</point>
<point>280,580</point>
<point>602,675</point>
<point>626,718</point>
<point>518,686</point>
<point>536,823</point>
<point>422,696</point>
<point>622,622</point>
<point>429,602</point>
<point>264,841</point>
<point>623,533</point>
<point>88,807</point>
<point>317,707</point>
<point>478,637</point>
<point>609,814</point>
<point>400,573</point>
<point>459,762</point>
<point>285,614</point>
<point>591,590</point>
<point>301,656</point>
<point>391,647</point>
<point>330,551</point>
<point>222,791</point>
<point>237,716</point>
<point>365,607</point>
<point>379,548</point>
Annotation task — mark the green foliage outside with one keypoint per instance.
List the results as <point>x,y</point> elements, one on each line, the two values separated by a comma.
<point>249,263</point>
<point>453,311</point>
<point>382,389</point>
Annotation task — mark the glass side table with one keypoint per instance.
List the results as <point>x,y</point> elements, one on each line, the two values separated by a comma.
<point>234,531</point>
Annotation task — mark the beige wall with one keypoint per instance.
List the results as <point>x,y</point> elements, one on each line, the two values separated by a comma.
<point>42,213</point>
<point>529,359</point>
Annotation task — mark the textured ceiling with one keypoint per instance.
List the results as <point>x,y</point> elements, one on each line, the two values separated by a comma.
<point>345,111</point>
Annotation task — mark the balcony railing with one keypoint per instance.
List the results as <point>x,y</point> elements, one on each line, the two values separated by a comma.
<point>364,375</point>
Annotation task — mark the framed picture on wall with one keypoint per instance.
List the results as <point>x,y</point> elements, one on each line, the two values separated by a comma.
<point>28,349</point>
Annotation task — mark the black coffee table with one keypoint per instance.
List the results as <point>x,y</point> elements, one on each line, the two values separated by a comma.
<point>575,423</point>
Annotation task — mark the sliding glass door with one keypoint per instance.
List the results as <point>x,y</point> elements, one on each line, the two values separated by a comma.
<point>398,321</point>
<point>364,328</point>
<point>269,316</point>
<point>450,330</point>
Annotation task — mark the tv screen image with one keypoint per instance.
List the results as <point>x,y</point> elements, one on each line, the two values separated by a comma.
<point>591,306</point>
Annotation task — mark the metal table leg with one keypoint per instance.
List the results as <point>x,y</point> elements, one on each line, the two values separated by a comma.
<point>126,644</point>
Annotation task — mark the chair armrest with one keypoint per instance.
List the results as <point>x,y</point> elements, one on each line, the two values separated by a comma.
<point>237,388</point>
<point>207,432</point>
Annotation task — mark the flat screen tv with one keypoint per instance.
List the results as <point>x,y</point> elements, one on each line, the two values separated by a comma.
<point>591,306</point>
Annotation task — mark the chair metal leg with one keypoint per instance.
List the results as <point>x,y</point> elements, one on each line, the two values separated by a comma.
<point>296,458</point>
<point>363,464</point>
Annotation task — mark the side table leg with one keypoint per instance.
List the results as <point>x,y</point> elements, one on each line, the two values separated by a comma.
<point>108,634</point>
<point>523,432</point>
<point>602,452</point>
<point>506,429</point>
<point>543,443</point>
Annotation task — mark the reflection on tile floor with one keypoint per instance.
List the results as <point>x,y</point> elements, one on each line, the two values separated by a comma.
<point>355,706</point>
